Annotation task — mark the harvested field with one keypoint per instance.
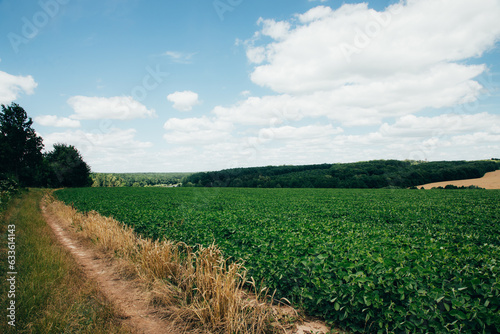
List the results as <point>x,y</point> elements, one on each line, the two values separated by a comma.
<point>490,180</point>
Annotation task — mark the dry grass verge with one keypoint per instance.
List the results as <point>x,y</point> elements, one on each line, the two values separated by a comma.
<point>199,288</point>
<point>52,294</point>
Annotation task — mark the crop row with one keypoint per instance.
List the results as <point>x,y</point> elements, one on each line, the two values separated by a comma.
<point>367,260</point>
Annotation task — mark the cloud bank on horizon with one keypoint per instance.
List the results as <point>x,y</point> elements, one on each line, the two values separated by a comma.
<point>413,80</point>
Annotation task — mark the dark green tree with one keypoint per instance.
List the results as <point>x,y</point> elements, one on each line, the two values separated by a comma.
<point>67,167</point>
<point>21,155</point>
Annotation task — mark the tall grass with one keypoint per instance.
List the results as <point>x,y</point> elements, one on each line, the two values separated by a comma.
<point>52,293</point>
<point>198,287</point>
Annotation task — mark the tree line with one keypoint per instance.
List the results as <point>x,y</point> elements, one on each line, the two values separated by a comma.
<point>23,162</point>
<point>369,174</point>
<point>137,179</point>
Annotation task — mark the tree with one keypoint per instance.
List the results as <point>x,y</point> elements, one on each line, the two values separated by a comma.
<point>21,155</point>
<point>107,180</point>
<point>67,167</point>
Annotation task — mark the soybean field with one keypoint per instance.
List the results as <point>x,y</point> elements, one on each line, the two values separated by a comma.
<point>373,261</point>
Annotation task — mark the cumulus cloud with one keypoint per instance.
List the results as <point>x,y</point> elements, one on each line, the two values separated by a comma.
<point>363,104</point>
<point>12,86</point>
<point>291,135</point>
<point>316,13</point>
<point>354,44</point>
<point>184,101</point>
<point>442,125</point>
<point>119,107</point>
<point>446,136</point>
<point>358,66</point>
<point>105,150</point>
<point>275,30</point>
<point>115,139</point>
<point>60,122</point>
<point>199,131</point>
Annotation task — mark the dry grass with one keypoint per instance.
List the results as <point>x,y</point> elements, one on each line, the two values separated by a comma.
<point>53,295</point>
<point>198,287</point>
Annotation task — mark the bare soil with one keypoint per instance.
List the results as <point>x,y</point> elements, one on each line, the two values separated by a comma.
<point>490,180</point>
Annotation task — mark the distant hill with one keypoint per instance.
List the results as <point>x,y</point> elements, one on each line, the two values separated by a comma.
<point>369,174</point>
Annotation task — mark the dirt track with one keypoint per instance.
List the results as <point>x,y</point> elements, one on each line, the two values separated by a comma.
<point>490,180</point>
<point>124,294</point>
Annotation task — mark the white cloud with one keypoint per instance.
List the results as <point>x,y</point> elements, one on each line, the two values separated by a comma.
<point>363,104</point>
<point>275,30</point>
<point>267,110</point>
<point>448,136</point>
<point>396,70</point>
<point>310,134</point>
<point>355,45</point>
<point>478,140</point>
<point>116,140</point>
<point>256,55</point>
<point>61,122</point>
<point>315,13</point>
<point>197,131</point>
<point>442,125</point>
<point>12,86</point>
<point>180,57</point>
<point>119,107</point>
<point>104,151</point>
<point>184,101</point>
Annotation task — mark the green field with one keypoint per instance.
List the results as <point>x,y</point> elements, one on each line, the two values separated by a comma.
<point>366,260</point>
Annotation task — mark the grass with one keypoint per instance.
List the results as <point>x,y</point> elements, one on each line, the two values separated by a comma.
<point>52,294</point>
<point>198,288</point>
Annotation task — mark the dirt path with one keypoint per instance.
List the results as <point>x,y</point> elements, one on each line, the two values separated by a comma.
<point>124,294</point>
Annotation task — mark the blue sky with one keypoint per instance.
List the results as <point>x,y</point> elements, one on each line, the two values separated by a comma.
<point>163,86</point>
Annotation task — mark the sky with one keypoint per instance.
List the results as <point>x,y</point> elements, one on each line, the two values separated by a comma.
<point>200,85</point>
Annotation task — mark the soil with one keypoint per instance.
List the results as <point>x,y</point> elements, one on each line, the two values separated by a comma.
<point>490,180</point>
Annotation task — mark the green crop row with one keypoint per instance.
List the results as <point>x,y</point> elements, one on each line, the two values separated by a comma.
<point>368,260</point>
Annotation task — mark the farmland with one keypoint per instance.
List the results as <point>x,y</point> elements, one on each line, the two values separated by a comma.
<point>367,260</point>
